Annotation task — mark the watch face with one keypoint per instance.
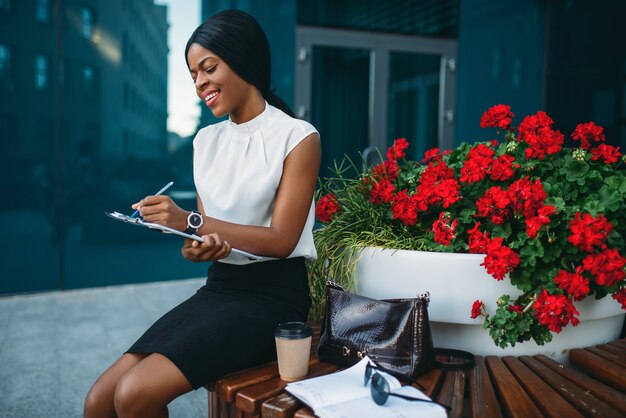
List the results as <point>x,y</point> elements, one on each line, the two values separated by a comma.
<point>195,220</point>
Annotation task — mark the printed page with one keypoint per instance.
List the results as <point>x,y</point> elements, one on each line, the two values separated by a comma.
<point>337,387</point>
<point>394,407</point>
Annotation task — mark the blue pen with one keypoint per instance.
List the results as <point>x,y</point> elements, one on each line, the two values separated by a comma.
<point>167,186</point>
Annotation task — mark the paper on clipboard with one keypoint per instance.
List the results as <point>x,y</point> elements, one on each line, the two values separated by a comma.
<point>167,230</point>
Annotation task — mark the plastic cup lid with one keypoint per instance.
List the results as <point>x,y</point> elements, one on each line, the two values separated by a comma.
<point>293,330</point>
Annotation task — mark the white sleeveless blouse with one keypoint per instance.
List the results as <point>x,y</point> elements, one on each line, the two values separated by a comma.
<point>237,169</point>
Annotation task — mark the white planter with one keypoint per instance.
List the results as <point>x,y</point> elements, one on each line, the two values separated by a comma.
<point>454,282</point>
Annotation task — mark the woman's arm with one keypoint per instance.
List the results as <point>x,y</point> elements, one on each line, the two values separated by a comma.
<point>293,201</point>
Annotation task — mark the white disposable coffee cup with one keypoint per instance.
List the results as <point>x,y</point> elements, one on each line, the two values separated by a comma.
<point>293,348</point>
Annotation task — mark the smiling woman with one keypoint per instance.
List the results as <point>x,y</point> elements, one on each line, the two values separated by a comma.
<point>255,175</point>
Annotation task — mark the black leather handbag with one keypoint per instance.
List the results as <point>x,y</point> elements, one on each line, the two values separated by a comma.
<point>394,333</point>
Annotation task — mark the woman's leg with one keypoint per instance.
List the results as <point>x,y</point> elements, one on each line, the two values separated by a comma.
<point>147,388</point>
<point>99,400</point>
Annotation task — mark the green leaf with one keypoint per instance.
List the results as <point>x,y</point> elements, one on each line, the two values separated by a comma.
<point>611,198</point>
<point>617,183</point>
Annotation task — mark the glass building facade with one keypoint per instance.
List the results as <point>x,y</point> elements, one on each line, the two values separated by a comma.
<point>83,106</point>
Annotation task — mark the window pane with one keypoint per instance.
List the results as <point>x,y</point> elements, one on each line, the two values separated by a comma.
<point>43,10</point>
<point>41,72</point>
<point>5,66</point>
<point>340,99</point>
<point>414,100</point>
<point>87,20</point>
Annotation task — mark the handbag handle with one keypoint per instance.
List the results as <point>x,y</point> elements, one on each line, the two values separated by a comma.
<point>449,365</point>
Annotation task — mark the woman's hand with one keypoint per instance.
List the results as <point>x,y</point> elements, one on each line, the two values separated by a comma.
<point>212,249</point>
<point>163,211</point>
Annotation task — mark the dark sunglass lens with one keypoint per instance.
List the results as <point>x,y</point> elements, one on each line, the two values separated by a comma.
<point>368,374</point>
<point>379,389</point>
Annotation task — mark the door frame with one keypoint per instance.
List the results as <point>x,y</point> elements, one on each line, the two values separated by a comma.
<point>380,46</point>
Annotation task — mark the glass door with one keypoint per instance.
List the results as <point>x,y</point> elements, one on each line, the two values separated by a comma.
<point>362,90</point>
<point>339,104</point>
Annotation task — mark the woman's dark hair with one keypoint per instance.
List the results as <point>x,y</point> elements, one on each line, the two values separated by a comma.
<point>238,39</point>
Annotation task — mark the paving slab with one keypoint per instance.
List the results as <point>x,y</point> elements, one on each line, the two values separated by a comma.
<point>53,345</point>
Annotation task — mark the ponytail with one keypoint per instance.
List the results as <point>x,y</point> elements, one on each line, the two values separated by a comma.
<point>275,100</point>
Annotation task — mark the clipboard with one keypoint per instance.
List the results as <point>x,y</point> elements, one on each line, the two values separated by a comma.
<point>167,230</point>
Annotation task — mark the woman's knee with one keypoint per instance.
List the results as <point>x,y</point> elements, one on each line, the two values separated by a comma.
<point>99,402</point>
<point>132,398</point>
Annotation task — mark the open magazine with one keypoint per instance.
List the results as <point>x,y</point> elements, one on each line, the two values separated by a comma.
<point>167,230</point>
<point>342,395</point>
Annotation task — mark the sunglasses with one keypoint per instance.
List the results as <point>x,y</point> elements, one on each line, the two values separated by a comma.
<point>381,391</point>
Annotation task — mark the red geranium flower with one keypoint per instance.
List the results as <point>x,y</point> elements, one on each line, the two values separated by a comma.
<point>587,133</point>
<point>404,208</point>
<point>326,207</point>
<point>500,259</point>
<point>588,232</point>
<point>396,151</point>
<point>382,191</point>
<point>444,229</point>
<point>502,168</point>
<point>620,296</point>
<point>607,153</point>
<point>477,309</point>
<point>478,240</point>
<point>555,311</point>
<point>498,116</point>
<point>573,283</point>
<point>607,267</point>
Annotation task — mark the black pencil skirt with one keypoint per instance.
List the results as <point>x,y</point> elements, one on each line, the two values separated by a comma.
<point>228,324</point>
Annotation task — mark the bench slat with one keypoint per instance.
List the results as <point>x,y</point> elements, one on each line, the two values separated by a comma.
<point>604,370</point>
<point>514,400</point>
<point>482,395</point>
<point>305,412</point>
<point>613,348</point>
<point>431,381</point>
<point>580,399</point>
<point>606,394</point>
<point>451,393</point>
<point>228,386</point>
<point>281,406</point>
<point>249,399</point>
<point>544,396</point>
<point>607,355</point>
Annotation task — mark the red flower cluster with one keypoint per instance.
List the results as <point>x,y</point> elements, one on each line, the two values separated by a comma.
<point>498,116</point>
<point>326,207</point>
<point>444,229</point>
<point>437,185</point>
<point>502,168</point>
<point>396,151</point>
<point>534,223</point>
<point>607,267</point>
<point>404,207</point>
<point>573,283</point>
<point>588,232</point>
<point>477,309</point>
<point>478,240</point>
<point>607,153</point>
<point>620,296</point>
<point>587,133</point>
<point>536,130</point>
<point>500,259</point>
<point>382,191</point>
<point>477,164</point>
<point>555,311</point>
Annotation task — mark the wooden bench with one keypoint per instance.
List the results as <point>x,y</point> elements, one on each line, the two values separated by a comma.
<point>594,385</point>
